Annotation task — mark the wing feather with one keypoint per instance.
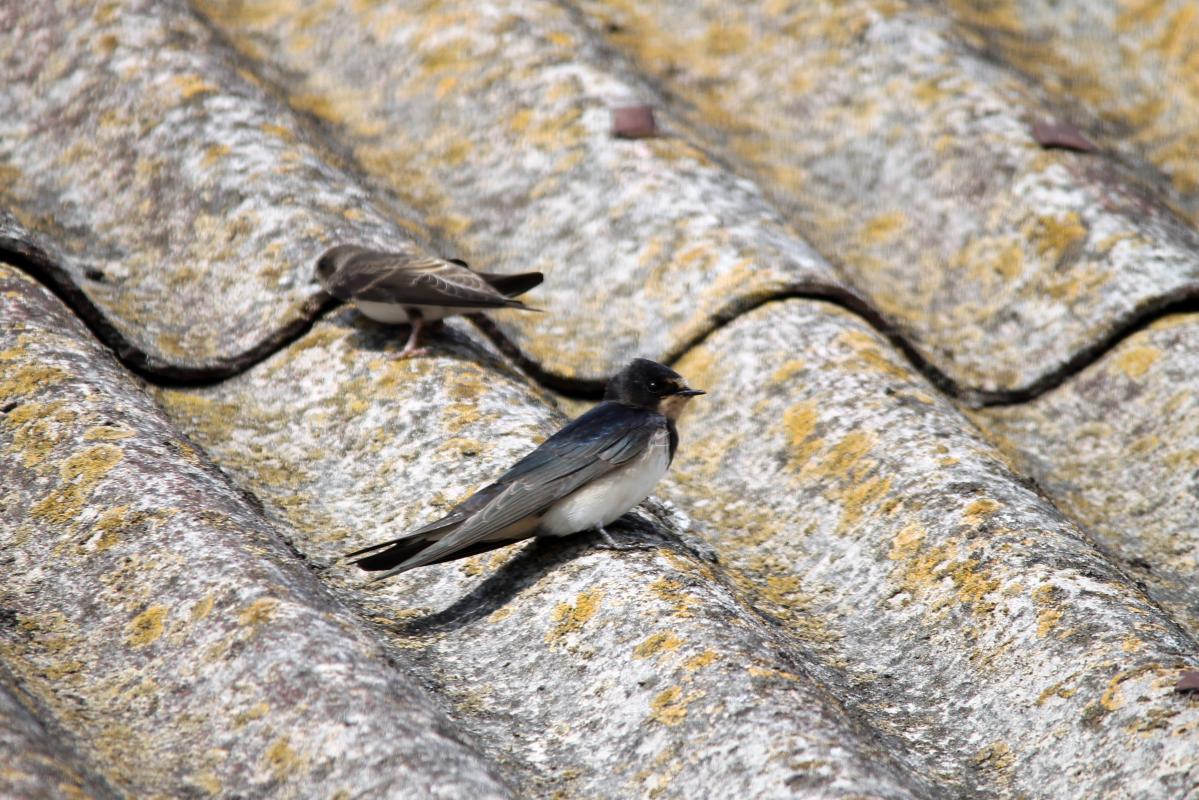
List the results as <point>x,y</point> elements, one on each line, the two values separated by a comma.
<point>355,273</point>
<point>595,444</point>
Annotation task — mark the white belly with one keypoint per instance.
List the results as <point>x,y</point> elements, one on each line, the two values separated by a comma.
<point>604,500</point>
<point>395,314</point>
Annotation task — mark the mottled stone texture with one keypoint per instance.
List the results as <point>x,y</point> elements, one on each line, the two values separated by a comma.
<point>969,617</point>
<point>1128,69</point>
<point>850,588</point>
<point>584,671</point>
<point>35,762</point>
<point>185,200</point>
<point>496,119</point>
<point>907,160</point>
<point>161,619</point>
<point>1117,448</point>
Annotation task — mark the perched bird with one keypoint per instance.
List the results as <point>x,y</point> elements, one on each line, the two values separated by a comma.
<point>417,289</point>
<point>581,478</point>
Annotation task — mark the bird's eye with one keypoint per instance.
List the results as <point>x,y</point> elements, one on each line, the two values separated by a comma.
<point>654,386</point>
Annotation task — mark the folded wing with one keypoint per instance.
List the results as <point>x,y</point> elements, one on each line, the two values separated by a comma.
<point>355,273</point>
<point>593,445</point>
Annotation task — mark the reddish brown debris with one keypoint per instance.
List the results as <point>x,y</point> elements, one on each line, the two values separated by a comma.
<point>1063,136</point>
<point>634,122</point>
<point>1189,682</point>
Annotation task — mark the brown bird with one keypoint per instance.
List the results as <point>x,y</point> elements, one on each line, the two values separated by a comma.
<point>417,289</point>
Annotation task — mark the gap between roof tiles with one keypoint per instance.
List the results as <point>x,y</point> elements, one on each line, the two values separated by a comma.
<point>40,265</point>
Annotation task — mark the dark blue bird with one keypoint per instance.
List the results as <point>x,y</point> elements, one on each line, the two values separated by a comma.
<point>582,478</point>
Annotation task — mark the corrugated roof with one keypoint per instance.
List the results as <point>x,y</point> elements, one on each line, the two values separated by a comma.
<point>929,534</point>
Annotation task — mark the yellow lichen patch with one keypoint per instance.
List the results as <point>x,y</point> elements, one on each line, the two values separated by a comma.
<point>1047,620</point>
<point>1134,362</point>
<point>39,428</point>
<point>1132,644</point>
<point>884,227</point>
<point>80,474</point>
<point>907,542</point>
<point>108,433</point>
<point>846,456</point>
<point>995,756</point>
<point>923,572</point>
<point>973,586</point>
<point>661,642</point>
<point>214,153</point>
<point>699,661</point>
<point>207,781</point>
<point>256,711</point>
<point>1056,690</point>
<point>190,86</point>
<point>1009,261</point>
<point>29,378</point>
<point>1137,14</point>
<point>859,498</point>
<point>1111,699</point>
<point>278,131</point>
<point>108,524</point>
<point>202,608</point>
<point>281,758</point>
<point>789,369</point>
<point>146,627</point>
<point>672,592</point>
<point>570,618</point>
<point>259,612</point>
<point>669,706</point>
<point>799,421</point>
<point>979,510</point>
<point>1053,237</point>
<point>883,361</point>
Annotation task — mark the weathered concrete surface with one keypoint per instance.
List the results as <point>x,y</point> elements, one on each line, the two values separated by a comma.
<point>184,199</point>
<point>34,761</point>
<point>1130,69</point>
<point>975,622</point>
<point>495,119</point>
<point>907,159</point>
<point>1117,449</point>
<point>162,620</point>
<point>586,672</point>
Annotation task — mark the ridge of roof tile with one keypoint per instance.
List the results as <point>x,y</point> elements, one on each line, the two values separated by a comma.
<point>184,200</point>
<point>1129,69</point>
<point>907,159</point>
<point>1117,448</point>
<point>973,619</point>
<point>163,621</point>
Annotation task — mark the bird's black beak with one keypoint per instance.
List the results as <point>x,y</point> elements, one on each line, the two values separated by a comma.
<point>690,392</point>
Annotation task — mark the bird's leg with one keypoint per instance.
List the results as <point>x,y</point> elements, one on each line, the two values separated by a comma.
<point>410,349</point>
<point>607,538</point>
<point>612,545</point>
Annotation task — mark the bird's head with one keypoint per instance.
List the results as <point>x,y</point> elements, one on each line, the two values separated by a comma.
<point>333,260</point>
<point>648,384</point>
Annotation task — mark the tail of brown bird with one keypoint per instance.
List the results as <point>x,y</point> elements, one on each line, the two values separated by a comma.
<point>513,285</point>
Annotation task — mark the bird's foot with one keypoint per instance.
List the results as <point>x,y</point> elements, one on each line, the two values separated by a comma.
<point>610,543</point>
<point>410,352</point>
<point>607,537</point>
<point>410,347</point>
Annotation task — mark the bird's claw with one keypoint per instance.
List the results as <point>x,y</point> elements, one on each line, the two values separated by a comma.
<point>413,352</point>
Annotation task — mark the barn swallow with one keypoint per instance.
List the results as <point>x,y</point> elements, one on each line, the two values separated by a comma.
<point>581,478</point>
<point>417,289</point>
